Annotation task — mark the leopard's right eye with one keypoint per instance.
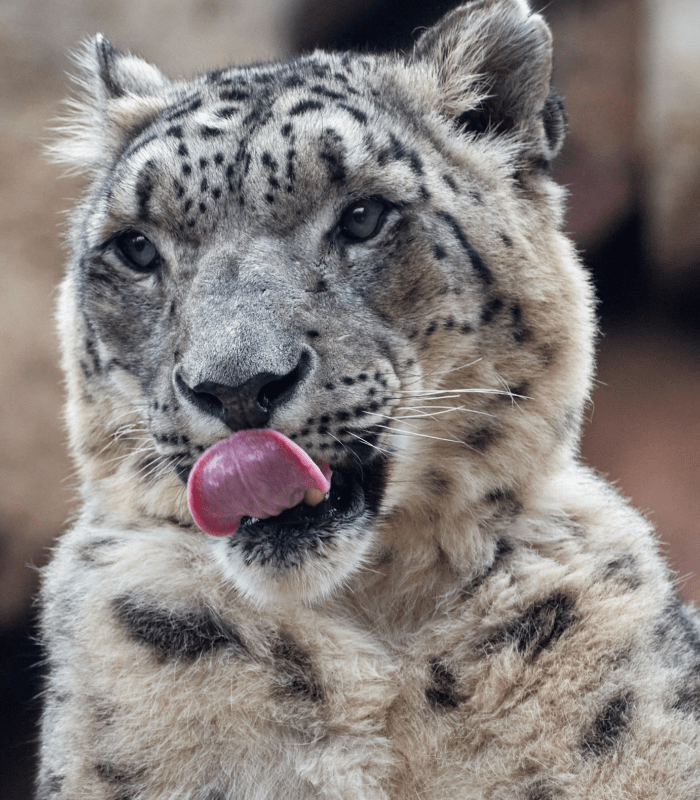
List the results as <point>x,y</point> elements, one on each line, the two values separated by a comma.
<point>137,251</point>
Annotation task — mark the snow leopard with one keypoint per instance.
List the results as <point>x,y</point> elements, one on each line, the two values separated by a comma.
<point>361,255</point>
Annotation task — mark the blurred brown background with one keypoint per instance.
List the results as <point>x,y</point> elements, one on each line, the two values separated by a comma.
<point>630,72</point>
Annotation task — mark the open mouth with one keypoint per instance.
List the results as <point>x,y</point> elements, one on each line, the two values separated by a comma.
<point>286,539</point>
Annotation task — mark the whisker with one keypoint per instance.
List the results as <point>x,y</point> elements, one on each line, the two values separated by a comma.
<point>349,449</point>
<point>393,454</point>
<point>423,435</point>
<point>437,413</point>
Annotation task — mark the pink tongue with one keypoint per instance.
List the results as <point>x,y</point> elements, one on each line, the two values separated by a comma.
<point>256,473</point>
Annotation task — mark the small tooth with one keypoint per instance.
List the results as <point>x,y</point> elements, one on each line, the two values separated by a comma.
<point>312,497</point>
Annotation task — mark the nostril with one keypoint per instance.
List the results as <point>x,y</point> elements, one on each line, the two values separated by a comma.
<point>203,399</point>
<point>273,392</point>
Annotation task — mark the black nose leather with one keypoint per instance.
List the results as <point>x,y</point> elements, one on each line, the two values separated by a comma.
<point>249,405</point>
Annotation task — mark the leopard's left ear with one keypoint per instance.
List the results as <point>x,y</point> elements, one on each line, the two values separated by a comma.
<point>492,62</point>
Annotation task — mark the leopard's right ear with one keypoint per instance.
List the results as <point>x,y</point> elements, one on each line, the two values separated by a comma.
<point>119,95</point>
<point>490,63</point>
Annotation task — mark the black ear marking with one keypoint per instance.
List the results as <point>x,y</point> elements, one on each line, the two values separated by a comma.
<point>106,60</point>
<point>122,74</point>
<point>555,122</point>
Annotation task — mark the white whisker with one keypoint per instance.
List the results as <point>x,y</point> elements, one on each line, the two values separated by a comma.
<point>423,435</point>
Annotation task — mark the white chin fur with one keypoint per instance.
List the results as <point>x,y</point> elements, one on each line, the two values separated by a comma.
<point>321,573</point>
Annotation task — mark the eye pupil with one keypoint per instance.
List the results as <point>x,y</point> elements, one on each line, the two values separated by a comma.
<point>362,219</point>
<point>359,215</point>
<point>138,251</point>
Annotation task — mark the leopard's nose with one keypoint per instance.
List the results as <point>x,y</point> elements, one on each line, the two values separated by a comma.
<point>248,405</point>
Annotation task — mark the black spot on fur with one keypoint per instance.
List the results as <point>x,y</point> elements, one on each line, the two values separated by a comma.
<point>207,132</point>
<point>437,482</point>
<point>269,161</point>
<point>687,699</point>
<point>441,692</point>
<point>678,642</point>
<point>397,151</point>
<point>518,391</point>
<point>541,789</point>
<point>481,438</point>
<point>332,154</point>
<point>520,332</point>
<point>548,353</point>
<point>175,634</point>
<point>624,569</point>
<point>144,189</point>
<point>538,628</point>
<point>234,95</point>
<point>120,779</point>
<point>226,112</point>
<point>304,106</point>
<point>86,552</point>
<point>505,500</point>
<point>675,630</point>
<point>449,180</point>
<point>482,271</point>
<point>489,311</point>
<point>91,348</point>
<point>324,91</point>
<point>360,116</point>
<point>439,252</point>
<point>507,241</point>
<point>187,108</point>
<point>605,735</point>
<point>296,675</point>
<point>502,551</point>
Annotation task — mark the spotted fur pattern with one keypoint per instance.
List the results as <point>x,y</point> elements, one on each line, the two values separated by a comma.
<point>364,253</point>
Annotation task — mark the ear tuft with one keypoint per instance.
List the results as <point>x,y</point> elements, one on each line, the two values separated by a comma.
<point>492,62</point>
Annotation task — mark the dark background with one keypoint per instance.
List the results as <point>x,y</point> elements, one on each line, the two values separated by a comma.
<point>629,72</point>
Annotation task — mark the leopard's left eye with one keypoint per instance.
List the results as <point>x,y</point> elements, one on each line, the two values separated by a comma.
<point>363,219</point>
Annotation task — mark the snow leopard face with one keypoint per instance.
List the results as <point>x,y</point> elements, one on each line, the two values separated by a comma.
<point>359,252</point>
